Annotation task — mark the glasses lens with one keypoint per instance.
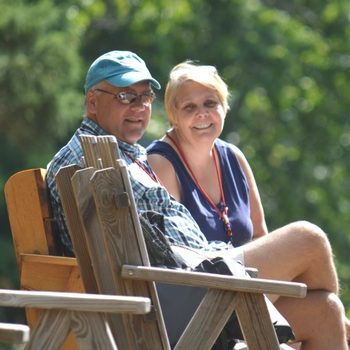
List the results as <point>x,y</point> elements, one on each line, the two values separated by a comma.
<point>148,97</point>
<point>127,98</point>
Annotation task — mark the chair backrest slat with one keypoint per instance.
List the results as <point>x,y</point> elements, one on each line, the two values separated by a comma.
<point>29,213</point>
<point>74,224</point>
<point>122,246</point>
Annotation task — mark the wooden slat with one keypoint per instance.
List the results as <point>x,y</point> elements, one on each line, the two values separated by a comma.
<point>75,301</point>
<point>93,241</point>
<point>51,331</point>
<point>49,259</point>
<point>61,273</point>
<point>55,325</point>
<point>76,229</point>
<point>208,321</point>
<point>109,151</point>
<point>14,333</point>
<point>201,279</point>
<point>28,210</point>
<point>91,157</point>
<point>255,322</point>
<point>92,332</point>
<point>82,313</point>
<point>84,212</point>
<point>134,214</point>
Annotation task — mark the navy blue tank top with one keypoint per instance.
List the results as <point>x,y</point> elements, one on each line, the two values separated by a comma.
<point>236,191</point>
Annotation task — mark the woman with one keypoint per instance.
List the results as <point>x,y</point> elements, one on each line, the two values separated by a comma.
<point>211,177</point>
<point>214,180</point>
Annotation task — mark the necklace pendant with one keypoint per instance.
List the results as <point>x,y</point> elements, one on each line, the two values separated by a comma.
<point>228,230</point>
<point>225,218</point>
<point>226,222</point>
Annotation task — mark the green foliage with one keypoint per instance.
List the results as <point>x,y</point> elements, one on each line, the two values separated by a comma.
<point>39,74</point>
<point>287,65</point>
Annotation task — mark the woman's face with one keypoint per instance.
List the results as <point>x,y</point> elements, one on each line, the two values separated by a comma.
<point>199,114</point>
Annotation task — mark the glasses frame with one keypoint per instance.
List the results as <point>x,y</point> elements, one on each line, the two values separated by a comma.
<point>146,98</point>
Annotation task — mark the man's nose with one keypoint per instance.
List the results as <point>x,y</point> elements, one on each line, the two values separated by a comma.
<point>138,104</point>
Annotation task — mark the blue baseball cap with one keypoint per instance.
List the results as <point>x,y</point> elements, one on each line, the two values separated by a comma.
<point>119,68</point>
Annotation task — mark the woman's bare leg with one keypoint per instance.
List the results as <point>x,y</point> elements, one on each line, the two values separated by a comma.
<point>296,252</point>
<point>317,320</point>
<point>301,252</point>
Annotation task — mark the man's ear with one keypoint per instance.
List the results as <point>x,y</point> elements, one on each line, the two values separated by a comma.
<point>90,102</point>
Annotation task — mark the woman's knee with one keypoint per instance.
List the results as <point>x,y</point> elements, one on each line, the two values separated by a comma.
<point>310,234</point>
<point>322,315</point>
<point>334,311</point>
<point>306,227</point>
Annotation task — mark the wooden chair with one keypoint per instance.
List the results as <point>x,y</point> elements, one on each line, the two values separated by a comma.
<point>84,314</point>
<point>32,229</point>
<point>106,234</point>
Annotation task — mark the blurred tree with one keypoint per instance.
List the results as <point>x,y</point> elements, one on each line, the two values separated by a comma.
<point>39,75</point>
<point>39,79</point>
<point>287,65</point>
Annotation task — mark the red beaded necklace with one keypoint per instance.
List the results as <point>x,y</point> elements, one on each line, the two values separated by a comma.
<point>221,212</point>
<point>152,175</point>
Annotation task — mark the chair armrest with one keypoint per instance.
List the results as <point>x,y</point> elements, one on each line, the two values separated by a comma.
<point>75,301</point>
<point>251,271</point>
<point>216,281</point>
<point>14,333</point>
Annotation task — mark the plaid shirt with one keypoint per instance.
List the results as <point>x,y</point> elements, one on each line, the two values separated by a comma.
<point>180,227</point>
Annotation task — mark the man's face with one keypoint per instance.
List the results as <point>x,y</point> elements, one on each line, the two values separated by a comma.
<point>127,122</point>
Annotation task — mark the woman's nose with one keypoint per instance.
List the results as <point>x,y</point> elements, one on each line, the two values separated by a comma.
<point>202,111</point>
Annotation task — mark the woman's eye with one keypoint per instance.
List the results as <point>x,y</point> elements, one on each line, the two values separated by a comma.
<point>211,103</point>
<point>190,107</point>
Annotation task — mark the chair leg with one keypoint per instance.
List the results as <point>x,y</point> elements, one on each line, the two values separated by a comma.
<point>91,331</point>
<point>208,321</point>
<point>51,330</point>
<point>255,322</point>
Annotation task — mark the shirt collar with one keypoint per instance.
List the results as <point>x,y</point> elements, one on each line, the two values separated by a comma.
<point>89,126</point>
<point>136,151</point>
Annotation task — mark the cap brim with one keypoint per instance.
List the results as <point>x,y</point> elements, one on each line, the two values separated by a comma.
<point>131,78</point>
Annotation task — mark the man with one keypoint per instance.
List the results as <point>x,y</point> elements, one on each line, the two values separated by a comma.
<point>119,100</point>
<point>119,96</point>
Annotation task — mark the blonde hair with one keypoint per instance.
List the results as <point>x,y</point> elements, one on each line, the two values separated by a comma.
<point>201,74</point>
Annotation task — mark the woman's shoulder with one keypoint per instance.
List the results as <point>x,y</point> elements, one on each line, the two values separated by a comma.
<point>160,157</point>
<point>229,147</point>
<point>160,147</point>
<point>160,153</point>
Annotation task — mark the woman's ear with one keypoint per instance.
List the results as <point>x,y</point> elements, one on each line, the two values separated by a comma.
<point>173,122</point>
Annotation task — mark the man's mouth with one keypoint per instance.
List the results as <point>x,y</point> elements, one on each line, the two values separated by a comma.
<point>134,120</point>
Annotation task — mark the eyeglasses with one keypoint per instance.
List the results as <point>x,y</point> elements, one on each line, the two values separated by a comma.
<point>129,97</point>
